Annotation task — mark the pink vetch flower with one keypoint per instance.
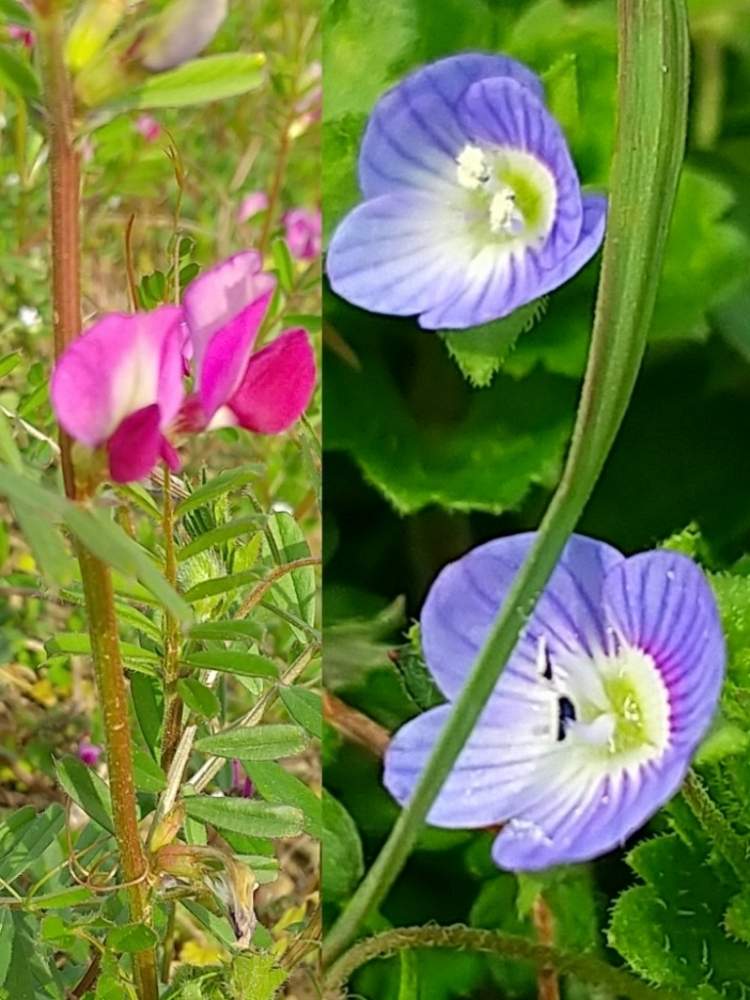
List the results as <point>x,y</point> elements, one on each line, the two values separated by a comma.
<point>303,233</point>
<point>240,781</point>
<point>252,204</point>
<point>89,753</point>
<point>148,127</point>
<point>119,387</point>
<point>20,34</point>
<point>266,391</point>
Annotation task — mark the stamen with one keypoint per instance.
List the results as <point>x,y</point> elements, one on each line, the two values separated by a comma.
<point>566,712</point>
<point>504,215</point>
<point>543,661</point>
<point>472,169</point>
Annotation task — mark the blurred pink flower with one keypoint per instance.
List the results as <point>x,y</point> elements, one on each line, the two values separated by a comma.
<point>119,387</point>
<point>20,34</point>
<point>303,233</point>
<point>309,105</point>
<point>89,752</point>
<point>266,391</point>
<point>148,127</point>
<point>251,204</point>
<point>240,781</point>
<point>87,149</point>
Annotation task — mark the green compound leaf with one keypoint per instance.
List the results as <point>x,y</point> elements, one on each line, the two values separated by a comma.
<point>198,697</point>
<point>232,662</point>
<point>87,790</point>
<point>343,861</point>
<point>255,819</point>
<point>269,742</point>
<point>671,930</point>
<point>17,75</point>
<point>131,938</point>
<point>304,707</point>
<point>212,78</point>
<point>277,785</point>
<point>481,351</point>
<point>217,487</point>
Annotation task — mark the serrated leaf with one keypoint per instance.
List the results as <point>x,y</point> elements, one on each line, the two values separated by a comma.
<point>305,707</point>
<point>257,819</point>
<point>233,662</point>
<point>343,861</point>
<point>257,977</point>
<point>212,78</point>
<point>269,742</point>
<point>670,929</point>
<point>737,920</point>
<point>277,785</point>
<point>481,351</point>
<point>341,140</point>
<point>483,452</point>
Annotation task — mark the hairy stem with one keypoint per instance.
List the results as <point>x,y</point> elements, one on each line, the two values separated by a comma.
<point>588,969</point>
<point>653,78</point>
<point>729,844</point>
<point>97,580</point>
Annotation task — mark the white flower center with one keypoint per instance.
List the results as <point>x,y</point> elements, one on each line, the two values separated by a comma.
<point>615,705</point>
<point>510,195</point>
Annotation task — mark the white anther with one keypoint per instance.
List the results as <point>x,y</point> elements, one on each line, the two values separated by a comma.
<point>472,169</point>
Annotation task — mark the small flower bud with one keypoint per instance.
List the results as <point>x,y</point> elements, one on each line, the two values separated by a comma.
<point>93,27</point>
<point>180,32</point>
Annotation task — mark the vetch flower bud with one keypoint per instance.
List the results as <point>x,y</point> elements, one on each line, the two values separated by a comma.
<point>93,27</point>
<point>180,32</point>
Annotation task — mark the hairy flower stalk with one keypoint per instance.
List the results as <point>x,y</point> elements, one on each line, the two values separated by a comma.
<point>652,102</point>
<point>96,576</point>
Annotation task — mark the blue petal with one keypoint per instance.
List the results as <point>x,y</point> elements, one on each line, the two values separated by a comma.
<point>580,817</point>
<point>496,284</point>
<point>415,134</point>
<point>505,114</point>
<point>661,603</point>
<point>464,600</point>
<point>398,254</point>
<point>499,760</point>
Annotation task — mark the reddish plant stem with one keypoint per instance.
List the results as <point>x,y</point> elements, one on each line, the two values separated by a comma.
<point>282,158</point>
<point>65,192</point>
<point>548,983</point>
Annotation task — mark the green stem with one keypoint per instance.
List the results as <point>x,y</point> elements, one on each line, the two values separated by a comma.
<point>96,577</point>
<point>652,101</point>
<point>173,711</point>
<point>588,969</point>
<point>729,844</point>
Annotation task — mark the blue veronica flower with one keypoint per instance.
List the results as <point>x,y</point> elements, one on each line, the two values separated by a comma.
<point>472,206</point>
<point>592,726</point>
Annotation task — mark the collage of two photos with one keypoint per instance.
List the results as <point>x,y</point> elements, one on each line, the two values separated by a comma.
<point>374,583</point>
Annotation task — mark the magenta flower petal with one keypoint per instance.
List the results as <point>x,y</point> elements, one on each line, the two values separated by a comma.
<point>227,353</point>
<point>217,296</point>
<point>277,385</point>
<point>304,233</point>
<point>89,753</point>
<point>118,366</point>
<point>252,204</point>
<point>594,721</point>
<point>135,446</point>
